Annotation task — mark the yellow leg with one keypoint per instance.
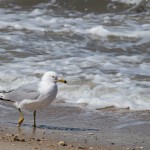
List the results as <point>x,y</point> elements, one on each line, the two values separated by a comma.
<point>34,115</point>
<point>21,118</point>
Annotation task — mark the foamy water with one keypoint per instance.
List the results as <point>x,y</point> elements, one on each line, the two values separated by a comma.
<point>104,56</point>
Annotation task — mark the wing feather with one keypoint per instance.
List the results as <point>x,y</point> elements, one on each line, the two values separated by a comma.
<point>28,91</point>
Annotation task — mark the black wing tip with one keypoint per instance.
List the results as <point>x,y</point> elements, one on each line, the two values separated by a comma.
<point>8,100</point>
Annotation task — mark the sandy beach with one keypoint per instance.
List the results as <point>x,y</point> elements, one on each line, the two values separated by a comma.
<point>66,127</point>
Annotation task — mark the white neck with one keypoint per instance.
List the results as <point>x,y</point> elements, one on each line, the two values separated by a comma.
<point>45,87</point>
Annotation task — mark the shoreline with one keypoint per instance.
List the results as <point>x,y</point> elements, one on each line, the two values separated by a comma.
<point>106,129</point>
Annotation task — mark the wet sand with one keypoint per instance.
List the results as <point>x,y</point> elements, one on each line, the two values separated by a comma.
<point>78,128</point>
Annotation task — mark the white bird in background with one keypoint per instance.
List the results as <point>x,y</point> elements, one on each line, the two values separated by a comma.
<point>32,96</point>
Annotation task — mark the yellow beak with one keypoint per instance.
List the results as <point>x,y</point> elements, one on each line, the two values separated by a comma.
<point>61,80</point>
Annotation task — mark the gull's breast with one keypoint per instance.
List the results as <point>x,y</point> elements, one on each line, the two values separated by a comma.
<point>42,101</point>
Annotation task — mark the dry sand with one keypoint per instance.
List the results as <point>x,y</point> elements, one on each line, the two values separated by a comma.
<point>65,127</point>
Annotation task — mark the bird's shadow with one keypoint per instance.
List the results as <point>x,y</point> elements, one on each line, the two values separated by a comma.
<point>65,128</point>
<point>59,128</point>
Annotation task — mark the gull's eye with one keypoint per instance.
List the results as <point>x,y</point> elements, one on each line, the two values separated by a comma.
<point>53,77</point>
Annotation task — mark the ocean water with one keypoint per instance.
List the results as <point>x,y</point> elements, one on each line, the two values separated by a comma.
<point>102,48</point>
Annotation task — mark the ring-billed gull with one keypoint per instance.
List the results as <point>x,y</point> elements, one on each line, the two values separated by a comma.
<point>33,97</point>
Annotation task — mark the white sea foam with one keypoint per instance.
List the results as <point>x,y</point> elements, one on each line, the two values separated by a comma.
<point>101,31</point>
<point>128,1</point>
<point>104,95</point>
<point>100,91</point>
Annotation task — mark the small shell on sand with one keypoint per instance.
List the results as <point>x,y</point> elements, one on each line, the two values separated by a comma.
<point>62,143</point>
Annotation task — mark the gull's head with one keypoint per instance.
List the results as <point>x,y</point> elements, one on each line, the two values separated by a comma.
<point>52,76</point>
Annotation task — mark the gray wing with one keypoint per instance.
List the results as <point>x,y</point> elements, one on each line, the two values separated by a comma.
<point>28,91</point>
